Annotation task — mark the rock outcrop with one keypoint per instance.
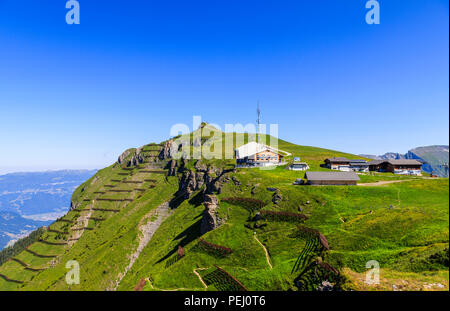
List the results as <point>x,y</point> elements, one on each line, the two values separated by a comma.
<point>277,197</point>
<point>73,206</point>
<point>166,151</point>
<point>208,178</point>
<point>123,156</point>
<point>325,286</point>
<point>211,177</point>
<point>236,181</point>
<point>188,184</point>
<point>137,158</point>
<point>172,166</point>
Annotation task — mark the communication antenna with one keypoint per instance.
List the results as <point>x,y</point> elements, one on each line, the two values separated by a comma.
<point>258,121</point>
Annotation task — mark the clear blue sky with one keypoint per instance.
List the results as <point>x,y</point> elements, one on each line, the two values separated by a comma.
<point>76,96</point>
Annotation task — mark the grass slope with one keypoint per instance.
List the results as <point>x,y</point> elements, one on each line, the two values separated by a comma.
<point>404,226</point>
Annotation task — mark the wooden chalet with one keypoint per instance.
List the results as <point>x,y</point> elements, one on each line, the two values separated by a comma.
<point>346,165</point>
<point>255,154</point>
<point>400,166</point>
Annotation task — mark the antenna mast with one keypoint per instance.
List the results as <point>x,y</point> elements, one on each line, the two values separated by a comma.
<point>258,121</point>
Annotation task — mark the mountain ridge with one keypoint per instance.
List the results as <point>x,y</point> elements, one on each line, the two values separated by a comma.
<point>215,211</point>
<point>434,158</point>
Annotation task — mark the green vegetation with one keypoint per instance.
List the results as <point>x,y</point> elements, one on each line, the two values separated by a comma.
<point>403,225</point>
<point>20,245</point>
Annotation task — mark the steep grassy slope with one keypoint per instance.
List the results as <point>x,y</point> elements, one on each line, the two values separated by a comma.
<point>98,232</point>
<point>404,226</point>
<point>400,225</point>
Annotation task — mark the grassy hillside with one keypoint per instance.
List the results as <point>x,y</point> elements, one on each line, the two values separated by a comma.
<point>404,229</point>
<point>402,225</point>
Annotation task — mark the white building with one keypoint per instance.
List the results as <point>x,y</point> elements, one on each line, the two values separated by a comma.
<point>299,166</point>
<point>255,154</point>
<point>346,165</point>
<point>359,166</point>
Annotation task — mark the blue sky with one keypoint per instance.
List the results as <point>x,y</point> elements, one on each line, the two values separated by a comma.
<point>76,96</point>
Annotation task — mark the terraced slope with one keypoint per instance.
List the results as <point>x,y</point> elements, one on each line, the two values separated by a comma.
<point>111,200</point>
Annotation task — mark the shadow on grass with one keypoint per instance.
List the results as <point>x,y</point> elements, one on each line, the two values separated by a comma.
<point>187,236</point>
<point>197,199</point>
<point>181,196</point>
<point>176,201</point>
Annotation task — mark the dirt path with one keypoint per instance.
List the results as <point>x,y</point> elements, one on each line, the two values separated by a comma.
<point>147,229</point>
<point>82,222</point>
<point>199,277</point>
<point>77,231</point>
<point>265,251</point>
<point>383,182</point>
<point>174,289</point>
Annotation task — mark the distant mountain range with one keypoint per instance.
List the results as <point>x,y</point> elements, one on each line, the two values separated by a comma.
<point>31,200</point>
<point>13,227</point>
<point>433,157</point>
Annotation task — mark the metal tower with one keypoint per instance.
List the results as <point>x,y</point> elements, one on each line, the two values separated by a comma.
<point>258,122</point>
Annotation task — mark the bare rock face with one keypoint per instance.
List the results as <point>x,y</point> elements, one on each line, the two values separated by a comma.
<point>200,166</point>
<point>210,220</point>
<point>210,177</point>
<point>214,180</point>
<point>172,167</point>
<point>210,200</point>
<point>200,178</point>
<point>123,156</point>
<point>188,184</point>
<point>137,159</point>
<point>166,151</point>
